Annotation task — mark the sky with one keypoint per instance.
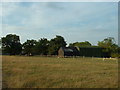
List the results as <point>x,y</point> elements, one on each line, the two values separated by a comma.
<point>75,21</point>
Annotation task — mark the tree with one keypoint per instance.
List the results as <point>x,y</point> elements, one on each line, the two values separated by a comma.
<point>81,44</point>
<point>119,50</point>
<point>109,45</point>
<point>55,44</point>
<point>11,44</point>
<point>0,42</point>
<point>41,47</point>
<point>28,47</point>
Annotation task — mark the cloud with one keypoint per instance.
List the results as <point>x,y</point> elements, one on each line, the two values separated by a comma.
<point>75,21</point>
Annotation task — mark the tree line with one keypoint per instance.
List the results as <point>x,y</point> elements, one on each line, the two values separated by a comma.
<point>11,45</point>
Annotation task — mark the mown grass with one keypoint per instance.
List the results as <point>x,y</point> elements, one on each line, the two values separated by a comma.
<point>49,72</point>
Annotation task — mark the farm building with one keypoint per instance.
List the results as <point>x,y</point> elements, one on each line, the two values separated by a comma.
<point>0,51</point>
<point>68,51</point>
<point>91,51</point>
<point>82,51</point>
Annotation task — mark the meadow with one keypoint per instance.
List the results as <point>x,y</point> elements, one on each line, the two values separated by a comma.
<point>53,72</point>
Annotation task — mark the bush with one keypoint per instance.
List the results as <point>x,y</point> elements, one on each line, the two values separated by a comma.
<point>115,55</point>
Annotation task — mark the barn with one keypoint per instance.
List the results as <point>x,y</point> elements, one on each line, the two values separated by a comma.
<point>82,51</point>
<point>91,51</point>
<point>68,51</point>
<point>0,51</point>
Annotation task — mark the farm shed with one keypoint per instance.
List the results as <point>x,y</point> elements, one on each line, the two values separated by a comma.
<point>82,51</point>
<point>0,51</point>
<point>68,51</point>
<point>91,51</point>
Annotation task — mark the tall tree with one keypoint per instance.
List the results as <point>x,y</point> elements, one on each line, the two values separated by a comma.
<point>109,45</point>
<point>11,44</point>
<point>28,47</point>
<point>41,47</point>
<point>55,44</point>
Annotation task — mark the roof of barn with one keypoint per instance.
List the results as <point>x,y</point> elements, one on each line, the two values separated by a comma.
<point>69,49</point>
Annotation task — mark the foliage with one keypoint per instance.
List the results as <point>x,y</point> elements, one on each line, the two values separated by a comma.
<point>81,44</point>
<point>11,44</point>
<point>41,47</point>
<point>119,50</point>
<point>115,55</point>
<point>109,45</point>
<point>118,53</point>
<point>55,44</point>
<point>28,47</point>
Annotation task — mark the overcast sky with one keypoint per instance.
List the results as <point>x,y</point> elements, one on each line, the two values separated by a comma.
<point>75,21</point>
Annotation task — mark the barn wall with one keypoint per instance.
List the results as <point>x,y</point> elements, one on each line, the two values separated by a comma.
<point>60,52</point>
<point>0,52</point>
<point>68,54</point>
<point>91,52</point>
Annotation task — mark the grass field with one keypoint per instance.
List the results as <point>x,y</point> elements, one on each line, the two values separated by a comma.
<point>53,72</point>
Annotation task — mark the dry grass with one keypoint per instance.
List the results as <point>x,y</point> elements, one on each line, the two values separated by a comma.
<point>46,72</point>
